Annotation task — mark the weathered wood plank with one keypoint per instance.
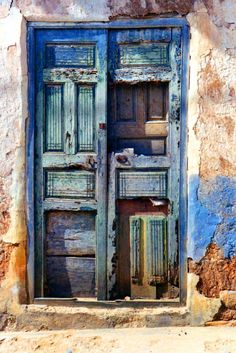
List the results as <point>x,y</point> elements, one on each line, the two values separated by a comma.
<point>141,54</point>
<point>66,184</point>
<point>62,160</point>
<point>142,35</point>
<point>139,118</point>
<point>130,130</point>
<point>148,255</point>
<point>144,146</point>
<point>70,128</point>
<point>155,23</point>
<point>183,165</point>
<point>70,277</point>
<point>70,55</point>
<point>126,101</point>
<point>74,59</point>
<point>129,160</point>
<point>30,140</point>
<point>147,74</point>
<point>101,140</point>
<point>174,142</point>
<point>38,185</point>
<point>82,244</point>
<point>61,75</point>
<point>70,233</point>
<point>85,118</point>
<point>69,205</point>
<point>133,184</point>
<point>157,102</point>
<point>53,117</point>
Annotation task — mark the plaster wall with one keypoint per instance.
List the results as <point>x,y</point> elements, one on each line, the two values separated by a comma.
<point>211,132</point>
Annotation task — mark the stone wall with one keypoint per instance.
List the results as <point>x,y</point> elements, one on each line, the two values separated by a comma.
<point>211,141</point>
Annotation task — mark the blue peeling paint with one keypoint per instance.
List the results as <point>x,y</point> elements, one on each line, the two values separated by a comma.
<point>212,215</point>
<point>202,223</point>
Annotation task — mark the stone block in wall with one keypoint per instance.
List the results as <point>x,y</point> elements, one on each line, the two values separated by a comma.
<point>228,298</point>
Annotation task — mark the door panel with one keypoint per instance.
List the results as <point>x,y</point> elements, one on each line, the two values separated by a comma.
<point>148,255</point>
<point>70,163</point>
<point>70,233</point>
<point>144,162</point>
<point>70,277</point>
<point>139,117</point>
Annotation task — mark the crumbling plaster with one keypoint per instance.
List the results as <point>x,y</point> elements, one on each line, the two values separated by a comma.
<point>211,128</point>
<point>13,113</point>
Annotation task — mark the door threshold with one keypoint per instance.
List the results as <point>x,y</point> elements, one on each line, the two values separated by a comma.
<point>93,302</point>
<point>57,314</point>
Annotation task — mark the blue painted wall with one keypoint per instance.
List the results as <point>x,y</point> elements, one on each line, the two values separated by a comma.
<point>212,215</point>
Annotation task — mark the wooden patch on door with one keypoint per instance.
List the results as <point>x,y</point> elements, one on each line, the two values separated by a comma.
<point>70,254</point>
<point>70,277</point>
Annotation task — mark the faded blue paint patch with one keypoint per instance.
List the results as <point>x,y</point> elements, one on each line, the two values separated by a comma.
<point>219,196</point>
<point>212,215</point>
<point>225,236</point>
<point>202,223</point>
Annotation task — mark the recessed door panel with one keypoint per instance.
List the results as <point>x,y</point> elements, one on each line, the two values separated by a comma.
<point>139,117</point>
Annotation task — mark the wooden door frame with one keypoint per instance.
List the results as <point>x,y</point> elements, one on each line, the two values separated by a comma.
<point>30,133</point>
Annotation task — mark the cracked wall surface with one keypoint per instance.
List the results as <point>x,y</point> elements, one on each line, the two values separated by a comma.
<point>212,171</point>
<point>211,246</point>
<point>13,112</point>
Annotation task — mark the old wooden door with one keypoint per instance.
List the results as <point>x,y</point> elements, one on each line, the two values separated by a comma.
<point>144,162</point>
<point>90,243</point>
<point>70,163</point>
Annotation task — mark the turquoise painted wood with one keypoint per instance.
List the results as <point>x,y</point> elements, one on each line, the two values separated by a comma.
<point>157,251</point>
<point>146,58</point>
<point>135,249</point>
<point>148,255</point>
<point>70,163</point>
<point>133,184</point>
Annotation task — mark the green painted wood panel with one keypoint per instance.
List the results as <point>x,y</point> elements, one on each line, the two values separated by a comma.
<point>157,252</point>
<point>70,55</point>
<point>53,117</point>
<point>62,75</point>
<point>142,183</point>
<point>148,255</point>
<point>70,163</point>
<point>135,249</point>
<point>131,65</point>
<point>86,118</point>
<point>70,184</point>
<point>144,54</point>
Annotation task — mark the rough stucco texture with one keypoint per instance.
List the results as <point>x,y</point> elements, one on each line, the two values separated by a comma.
<point>12,149</point>
<point>215,272</point>
<point>137,8</point>
<point>211,132</point>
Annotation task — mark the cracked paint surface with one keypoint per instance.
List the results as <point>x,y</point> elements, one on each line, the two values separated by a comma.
<point>216,273</point>
<point>212,218</point>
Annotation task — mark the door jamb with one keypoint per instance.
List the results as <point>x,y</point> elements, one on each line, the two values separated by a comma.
<point>30,132</point>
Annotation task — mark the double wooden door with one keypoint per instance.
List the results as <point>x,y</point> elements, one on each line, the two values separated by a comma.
<point>106,220</point>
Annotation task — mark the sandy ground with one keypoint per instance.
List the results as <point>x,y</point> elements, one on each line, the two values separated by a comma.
<point>158,340</point>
